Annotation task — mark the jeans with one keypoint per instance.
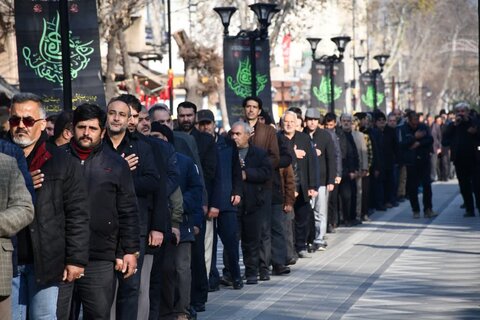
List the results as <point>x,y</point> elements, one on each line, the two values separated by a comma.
<point>40,301</point>
<point>319,204</point>
<point>129,289</point>
<point>96,290</point>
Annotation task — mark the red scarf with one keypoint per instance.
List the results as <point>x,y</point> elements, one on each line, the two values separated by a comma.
<point>82,153</point>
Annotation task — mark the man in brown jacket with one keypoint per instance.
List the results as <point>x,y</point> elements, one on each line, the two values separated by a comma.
<point>264,137</point>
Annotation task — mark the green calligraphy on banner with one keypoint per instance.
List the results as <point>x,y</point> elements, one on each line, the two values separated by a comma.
<point>322,92</point>
<point>47,62</point>
<point>242,85</point>
<point>368,98</point>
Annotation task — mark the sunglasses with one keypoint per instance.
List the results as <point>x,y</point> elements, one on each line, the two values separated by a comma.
<point>27,121</point>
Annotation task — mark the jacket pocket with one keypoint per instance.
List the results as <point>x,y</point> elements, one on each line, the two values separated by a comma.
<point>6,266</point>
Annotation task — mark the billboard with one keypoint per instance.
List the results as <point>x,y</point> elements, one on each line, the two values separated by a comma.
<point>238,74</point>
<point>40,54</point>
<point>320,92</point>
<point>367,92</point>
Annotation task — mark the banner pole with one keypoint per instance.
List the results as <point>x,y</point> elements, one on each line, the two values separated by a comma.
<point>66,66</point>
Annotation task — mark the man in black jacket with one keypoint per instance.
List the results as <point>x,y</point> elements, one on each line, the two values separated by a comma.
<point>207,151</point>
<point>54,247</point>
<point>256,172</point>
<point>325,152</point>
<point>139,155</point>
<point>463,138</point>
<point>305,172</point>
<point>115,234</point>
<point>415,143</point>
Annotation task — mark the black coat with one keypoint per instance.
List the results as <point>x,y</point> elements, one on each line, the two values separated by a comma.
<point>114,221</point>
<point>145,177</point>
<point>60,230</point>
<point>207,152</point>
<point>406,138</point>
<point>306,167</point>
<point>323,141</point>
<point>285,161</point>
<point>350,161</point>
<point>258,170</point>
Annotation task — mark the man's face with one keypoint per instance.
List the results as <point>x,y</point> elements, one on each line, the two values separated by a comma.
<point>49,128</point>
<point>144,124</point>
<point>381,123</point>
<point>392,121</point>
<point>133,120</point>
<point>186,119</point>
<point>163,117</point>
<point>29,112</point>
<point>439,121</point>
<point>252,110</point>
<point>207,127</point>
<point>289,123</point>
<point>312,124</point>
<point>414,121</point>
<point>346,123</point>
<point>240,137</point>
<point>87,134</point>
<point>117,117</point>
<point>330,125</point>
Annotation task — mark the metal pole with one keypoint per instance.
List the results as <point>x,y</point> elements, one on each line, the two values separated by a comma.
<point>66,67</point>
<point>331,63</point>
<point>253,64</point>
<point>169,23</point>
<point>393,93</point>
<point>374,90</point>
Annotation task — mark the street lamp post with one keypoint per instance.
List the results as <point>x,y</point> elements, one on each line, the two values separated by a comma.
<point>381,60</point>
<point>264,13</point>
<point>329,61</point>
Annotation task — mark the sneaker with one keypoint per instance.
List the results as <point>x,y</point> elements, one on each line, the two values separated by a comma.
<point>366,218</point>
<point>429,213</point>
<point>416,214</point>
<point>304,254</point>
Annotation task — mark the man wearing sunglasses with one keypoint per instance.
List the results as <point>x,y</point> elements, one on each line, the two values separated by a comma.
<point>54,247</point>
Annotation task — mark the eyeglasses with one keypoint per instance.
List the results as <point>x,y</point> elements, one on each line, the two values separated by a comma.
<point>27,121</point>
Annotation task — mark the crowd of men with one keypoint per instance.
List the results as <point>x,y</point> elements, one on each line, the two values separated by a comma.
<point>115,214</point>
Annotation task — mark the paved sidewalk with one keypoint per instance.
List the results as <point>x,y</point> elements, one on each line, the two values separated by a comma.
<point>394,267</point>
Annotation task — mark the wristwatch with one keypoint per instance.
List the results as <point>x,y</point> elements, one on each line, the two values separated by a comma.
<point>136,254</point>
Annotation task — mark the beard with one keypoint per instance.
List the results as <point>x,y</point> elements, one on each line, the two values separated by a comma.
<point>23,141</point>
<point>186,126</point>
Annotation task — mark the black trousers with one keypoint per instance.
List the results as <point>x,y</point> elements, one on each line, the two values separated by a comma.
<point>419,174</point>
<point>155,291</point>
<point>265,253</point>
<point>303,213</point>
<point>365,195</point>
<point>347,195</point>
<point>250,234</point>
<point>279,242</point>
<point>333,206</point>
<point>199,293</point>
<point>466,175</point>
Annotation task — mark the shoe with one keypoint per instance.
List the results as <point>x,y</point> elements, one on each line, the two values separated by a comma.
<point>395,204</point>
<point>184,317</point>
<point>238,284</point>
<point>291,261</point>
<point>388,205</point>
<point>279,270</point>
<point>469,214</point>
<point>252,280</point>
<point>312,247</point>
<point>213,288</point>
<point>366,218</point>
<point>304,254</point>
<point>199,307</point>
<point>264,276</point>
<point>322,247</point>
<point>429,213</point>
<point>193,313</point>
<point>330,229</point>
<point>416,214</point>
<point>356,222</point>
<point>226,281</point>
<point>401,199</point>
<point>381,208</point>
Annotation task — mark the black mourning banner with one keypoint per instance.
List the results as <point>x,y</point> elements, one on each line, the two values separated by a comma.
<point>320,91</point>
<point>367,92</point>
<point>40,56</point>
<point>238,75</point>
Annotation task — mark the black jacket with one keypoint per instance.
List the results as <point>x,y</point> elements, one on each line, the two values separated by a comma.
<point>145,177</point>
<point>463,144</point>
<point>307,165</point>
<point>207,152</point>
<point>114,221</point>
<point>285,161</point>
<point>60,230</point>
<point>406,138</point>
<point>258,170</point>
<point>350,161</point>
<point>323,141</point>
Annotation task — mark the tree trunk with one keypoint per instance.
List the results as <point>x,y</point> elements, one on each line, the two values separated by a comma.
<point>449,70</point>
<point>110,85</point>
<point>223,104</point>
<point>193,87</point>
<point>127,68</point>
